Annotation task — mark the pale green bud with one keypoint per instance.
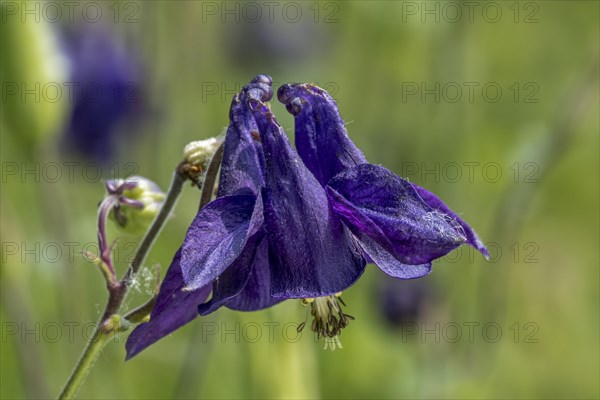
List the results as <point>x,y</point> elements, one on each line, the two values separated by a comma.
<point>200,151</point>
<point>140,200</point>
<point>197,155</point>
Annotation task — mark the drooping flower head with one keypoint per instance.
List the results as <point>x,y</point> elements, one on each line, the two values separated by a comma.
<point>140,200</point>
<point>302,224</point>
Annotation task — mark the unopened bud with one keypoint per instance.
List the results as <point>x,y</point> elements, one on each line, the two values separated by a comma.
<point>197,155</point>
<point>140,200</point>
<point>200,151</point>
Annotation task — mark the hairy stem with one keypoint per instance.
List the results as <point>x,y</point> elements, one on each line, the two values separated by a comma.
<point>84,365</point>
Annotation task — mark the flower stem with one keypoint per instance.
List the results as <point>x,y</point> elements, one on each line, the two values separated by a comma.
<point>84,365</point>
<point>211,176</point>
<point>109,323</point>
<point>105,261</point>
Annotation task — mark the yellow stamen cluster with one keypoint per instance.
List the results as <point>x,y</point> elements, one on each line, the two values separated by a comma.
<point>328,319</point>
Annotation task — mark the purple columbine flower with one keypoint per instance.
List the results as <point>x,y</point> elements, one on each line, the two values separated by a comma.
<point>225,251</point>
<point>298,225</point>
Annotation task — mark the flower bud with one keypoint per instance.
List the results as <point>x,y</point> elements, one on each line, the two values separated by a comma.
<point>197,155</point>
<point>140,200</point>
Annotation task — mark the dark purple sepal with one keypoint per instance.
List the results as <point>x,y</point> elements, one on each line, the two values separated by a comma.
<point>321,138</point>
<point>436,204</point>
<point>217,237</point>
<point>377,204</point>
<point>241,168</point>
<point>256,294</point>
<point>389,264</point>
<point>245,285</point>
<point>173,309</point>
<point>311,253</point>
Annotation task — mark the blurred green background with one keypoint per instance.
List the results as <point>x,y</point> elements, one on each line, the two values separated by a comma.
<point>491,105</point>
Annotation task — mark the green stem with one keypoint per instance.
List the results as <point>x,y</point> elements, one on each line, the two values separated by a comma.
<point>211,176</point>
<point>109,323</point>
<point>84,365</point>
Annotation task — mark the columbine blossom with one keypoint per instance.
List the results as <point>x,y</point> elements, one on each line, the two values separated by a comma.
<point>298,225</point>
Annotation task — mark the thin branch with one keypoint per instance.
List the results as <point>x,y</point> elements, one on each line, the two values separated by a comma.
<point>211,176</point>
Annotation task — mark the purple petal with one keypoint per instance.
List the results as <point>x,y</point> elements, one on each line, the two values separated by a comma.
<point>311,253</point>
<point>241,168</point>
<point>245,285</point>
<point>256,294</point>
<point>321,138</point>
<point>379,205</point>
<point>173,309</point>
<point>435,203</point>
<point>389,264</point>
<point>217,237</point>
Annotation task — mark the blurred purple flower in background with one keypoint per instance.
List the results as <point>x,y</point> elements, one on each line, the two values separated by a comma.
<point>403,302</point>
<point>105,91</point>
